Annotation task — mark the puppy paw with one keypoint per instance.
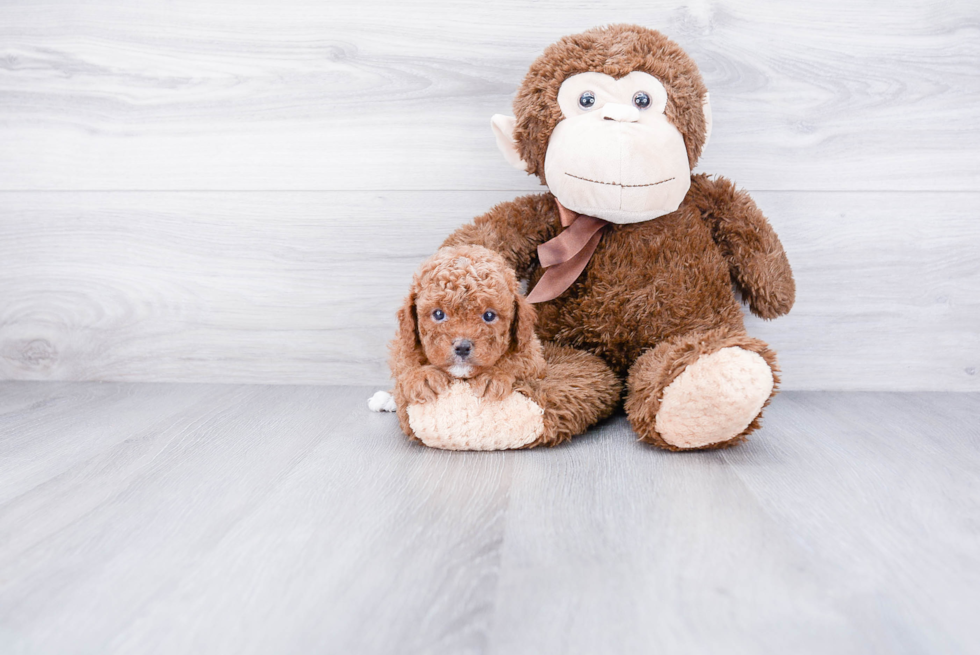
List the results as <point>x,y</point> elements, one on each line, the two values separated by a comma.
<point>424,384</point>
<point>492,386</point>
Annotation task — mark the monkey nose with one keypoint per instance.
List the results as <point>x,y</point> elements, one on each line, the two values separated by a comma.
<point>462,348</point>
<point>613,111</point>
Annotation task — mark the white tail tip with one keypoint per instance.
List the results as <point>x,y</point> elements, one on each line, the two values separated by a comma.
<point>381,401</point>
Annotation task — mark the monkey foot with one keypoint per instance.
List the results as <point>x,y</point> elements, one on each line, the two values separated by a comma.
<point>714,399</point>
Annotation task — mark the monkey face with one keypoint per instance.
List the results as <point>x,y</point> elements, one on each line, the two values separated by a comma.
<point>594,121</point>
<point>615,154</point>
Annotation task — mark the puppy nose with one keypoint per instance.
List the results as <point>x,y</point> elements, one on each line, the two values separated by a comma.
<point>463,348</point>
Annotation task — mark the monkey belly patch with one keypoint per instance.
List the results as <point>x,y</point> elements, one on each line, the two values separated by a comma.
<point>714,399</point>
<point>458,420</point>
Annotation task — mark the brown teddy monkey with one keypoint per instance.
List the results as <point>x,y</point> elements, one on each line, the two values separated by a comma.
<point>633,261</point>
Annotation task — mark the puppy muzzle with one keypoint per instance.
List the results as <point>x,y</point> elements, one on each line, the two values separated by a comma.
<point>462,350</point>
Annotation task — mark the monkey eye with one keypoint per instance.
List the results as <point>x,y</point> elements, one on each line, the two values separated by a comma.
<point>489,316</point>
<point>641,100</point>
<point>438,316</point>
<point>586,100</point>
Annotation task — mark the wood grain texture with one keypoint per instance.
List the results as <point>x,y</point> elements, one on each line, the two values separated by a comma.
<point>810,540</point>
<point>302,287</point>
<point>264,519</point>
<point>383,107</point>
<point>836,95</point>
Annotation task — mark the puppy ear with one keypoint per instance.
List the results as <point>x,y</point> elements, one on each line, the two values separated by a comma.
<point>522,328</point>
<point>409,340</point>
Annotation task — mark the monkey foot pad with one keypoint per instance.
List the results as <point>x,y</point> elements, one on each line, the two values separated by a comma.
<point>458,420</point>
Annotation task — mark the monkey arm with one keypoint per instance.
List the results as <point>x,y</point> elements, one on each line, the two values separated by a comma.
<point>754,253</point>
<point>513,229</point>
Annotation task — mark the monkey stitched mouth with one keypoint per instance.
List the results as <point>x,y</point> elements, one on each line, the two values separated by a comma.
<point>625,186</point>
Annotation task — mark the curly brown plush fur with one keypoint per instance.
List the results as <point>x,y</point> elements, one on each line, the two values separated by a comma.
<point>463,284</point>
<point>577,391</point>
<point>656,295</point>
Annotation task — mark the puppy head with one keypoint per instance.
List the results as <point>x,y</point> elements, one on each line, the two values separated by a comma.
<point>464,312</point>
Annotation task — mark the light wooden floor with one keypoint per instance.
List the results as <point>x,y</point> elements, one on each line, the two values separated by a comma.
<point>177,518</point>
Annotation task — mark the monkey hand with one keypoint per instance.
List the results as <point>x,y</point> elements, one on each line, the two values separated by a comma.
<point>423,384</point>
<point>773,291</point>
<point>493,385</point>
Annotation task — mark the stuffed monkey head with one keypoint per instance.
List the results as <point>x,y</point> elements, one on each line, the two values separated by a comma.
<point>613,120</point>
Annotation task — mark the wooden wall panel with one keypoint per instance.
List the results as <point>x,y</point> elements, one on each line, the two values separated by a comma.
<point>379,94</point>
<point>302,287</point>
<point>239,191</point>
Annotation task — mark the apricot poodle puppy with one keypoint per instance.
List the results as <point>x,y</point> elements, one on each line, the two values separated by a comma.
<point>463,319</point>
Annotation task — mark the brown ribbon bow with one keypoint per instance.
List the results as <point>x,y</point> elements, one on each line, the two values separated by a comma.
<point>567,254</point>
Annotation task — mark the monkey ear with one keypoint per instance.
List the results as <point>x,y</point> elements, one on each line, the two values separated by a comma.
<point>706,108</point>
<point>503,131</point>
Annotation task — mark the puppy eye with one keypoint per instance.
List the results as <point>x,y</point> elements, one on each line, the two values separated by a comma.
<point>641,100</point>
<point>586,100</point>
<point>438,316</point>
<point>489,316</point>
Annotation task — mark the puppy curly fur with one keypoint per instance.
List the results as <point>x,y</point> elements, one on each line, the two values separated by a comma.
<point>656,294</point>
<point>463,283</point>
